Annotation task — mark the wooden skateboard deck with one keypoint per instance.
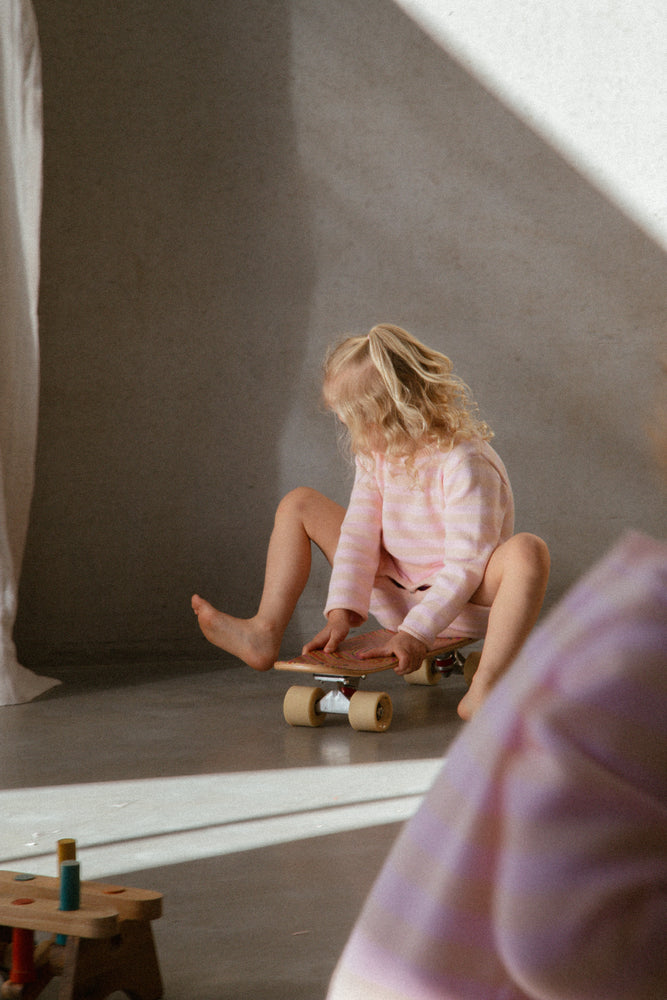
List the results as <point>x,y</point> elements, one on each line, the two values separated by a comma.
<point>347,662</point>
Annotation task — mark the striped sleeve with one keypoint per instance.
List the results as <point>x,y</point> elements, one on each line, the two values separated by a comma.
<point>475,522</point>
<point>358,552</point>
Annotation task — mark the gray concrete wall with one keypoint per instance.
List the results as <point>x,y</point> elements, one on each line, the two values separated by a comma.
<point>229,186</point>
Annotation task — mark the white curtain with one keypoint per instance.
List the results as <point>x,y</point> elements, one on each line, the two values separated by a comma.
<point>20,209</point>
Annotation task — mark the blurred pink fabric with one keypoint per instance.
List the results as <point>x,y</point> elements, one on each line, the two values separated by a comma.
<point>536,866</point>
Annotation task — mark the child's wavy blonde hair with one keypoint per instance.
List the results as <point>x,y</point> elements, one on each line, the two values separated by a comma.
<point>396,395</point>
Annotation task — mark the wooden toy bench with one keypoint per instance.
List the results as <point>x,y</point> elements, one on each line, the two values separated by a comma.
<point>108,946</point>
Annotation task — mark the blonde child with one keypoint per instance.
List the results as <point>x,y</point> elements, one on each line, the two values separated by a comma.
<point>426,543</point>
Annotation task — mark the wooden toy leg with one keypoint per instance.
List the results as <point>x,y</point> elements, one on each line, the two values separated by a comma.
<point>43,976</point>
<point>43,973</point>
<point>127,963</point>
<point>5,951</point>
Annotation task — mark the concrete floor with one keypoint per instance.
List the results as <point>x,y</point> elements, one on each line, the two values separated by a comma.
<point>184,778</point>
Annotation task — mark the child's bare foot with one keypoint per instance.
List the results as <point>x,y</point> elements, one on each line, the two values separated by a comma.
<point>244,638</point>
<point>479,684</point>
<point>467,707</point>
<point>473,698</point>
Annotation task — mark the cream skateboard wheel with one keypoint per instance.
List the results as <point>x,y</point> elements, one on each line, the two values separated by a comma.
<point>370,712</point>
<point>300,706</point>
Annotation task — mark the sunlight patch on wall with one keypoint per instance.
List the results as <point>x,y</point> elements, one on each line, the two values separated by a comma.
<point>590,78</point>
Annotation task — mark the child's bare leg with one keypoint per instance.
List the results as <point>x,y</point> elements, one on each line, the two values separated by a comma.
<point>514,585</point>
<point>304,515</point>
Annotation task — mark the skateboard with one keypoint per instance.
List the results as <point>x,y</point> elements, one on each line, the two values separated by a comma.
<point>342,672</point>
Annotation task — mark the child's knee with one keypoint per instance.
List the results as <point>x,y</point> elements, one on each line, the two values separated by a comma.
<point>298,501</point>
<point>530,554</point>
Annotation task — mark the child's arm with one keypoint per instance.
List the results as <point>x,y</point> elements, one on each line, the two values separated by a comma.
<point>358,552</point>
<point>477,500</point>
<point>355,564</point>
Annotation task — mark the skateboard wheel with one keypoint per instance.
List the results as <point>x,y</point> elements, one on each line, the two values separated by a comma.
<point>470,666</point>
<point>427,674</point>
<point>300,706</point>
<point>370,712</point>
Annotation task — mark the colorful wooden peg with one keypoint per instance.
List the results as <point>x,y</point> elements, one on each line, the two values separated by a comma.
<point>70,890</point>
<point>66,851</point>
<point>23,952</point>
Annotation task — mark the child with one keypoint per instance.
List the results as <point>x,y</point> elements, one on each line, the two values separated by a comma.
<point>426,544</point>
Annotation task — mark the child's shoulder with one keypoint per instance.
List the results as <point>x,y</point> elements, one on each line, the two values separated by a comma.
<point>474,454</point>
<point>464,452</point>
<point>468,449</point>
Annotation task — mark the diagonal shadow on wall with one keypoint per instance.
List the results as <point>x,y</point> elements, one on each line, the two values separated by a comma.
<point>440,210</point>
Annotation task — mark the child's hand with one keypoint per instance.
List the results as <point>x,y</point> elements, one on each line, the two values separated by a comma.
<point>409,652</point>
<point>339,623</point>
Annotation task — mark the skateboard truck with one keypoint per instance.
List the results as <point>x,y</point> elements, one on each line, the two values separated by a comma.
<point>368,711</point>
<point>444,665</point>
<point>337,700</point>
